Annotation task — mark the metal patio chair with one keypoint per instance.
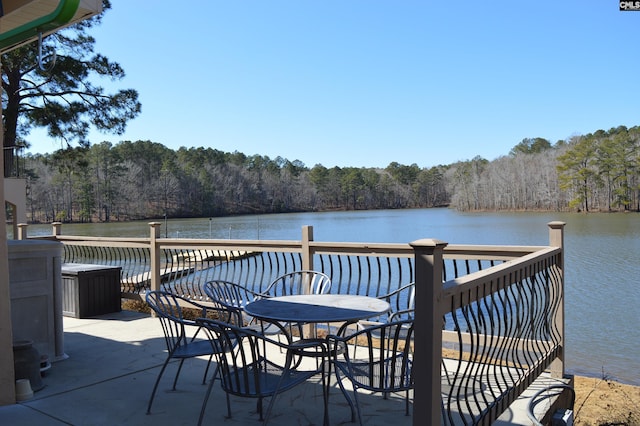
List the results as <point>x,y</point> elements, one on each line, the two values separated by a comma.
<point>169,310</point>
<point>230,293</point>
<point>236,296</point>
<point>299,282</point>
<point>386,365</point>
<point>249,372</point>
<point>402,302</point>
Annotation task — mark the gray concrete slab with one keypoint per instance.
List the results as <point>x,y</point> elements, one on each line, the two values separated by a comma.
<point>113,361</point>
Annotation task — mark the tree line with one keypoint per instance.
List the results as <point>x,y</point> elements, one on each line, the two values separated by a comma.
<point>599,171</point>
<point>144,179</point>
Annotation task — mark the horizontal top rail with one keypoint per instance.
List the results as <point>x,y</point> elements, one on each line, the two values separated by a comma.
<point>84,239</point>
<point>464,284</point>
<point>247,245</point>
<point>495,252</point>
<point>488,252</point>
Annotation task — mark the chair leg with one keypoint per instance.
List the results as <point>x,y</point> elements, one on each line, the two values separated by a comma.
<point>406,402</point>
<point>175,381</point>
<point>269,408</point>
<point>259,408</point>
<point>326,379</point>
<point>346,396</point>
<point>206,370</point>
<point>445,418</point>
<point>228,406</point>
<point>446,372</point>
<point>355,396</point>
<point>206,396</point>
<point>285,372</point>
<point>155,386</point>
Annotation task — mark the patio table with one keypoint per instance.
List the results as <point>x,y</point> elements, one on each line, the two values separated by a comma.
<point>314,309</point>
<point>317,308</point>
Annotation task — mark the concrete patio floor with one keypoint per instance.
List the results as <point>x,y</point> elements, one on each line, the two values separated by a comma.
<point>113,361</point>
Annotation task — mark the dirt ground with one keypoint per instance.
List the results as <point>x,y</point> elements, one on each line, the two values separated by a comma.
<point>601,402</point>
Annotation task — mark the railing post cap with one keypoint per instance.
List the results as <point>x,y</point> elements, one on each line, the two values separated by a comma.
<point>556,224</point>
<point>428,243</point>
<point>155,223</point>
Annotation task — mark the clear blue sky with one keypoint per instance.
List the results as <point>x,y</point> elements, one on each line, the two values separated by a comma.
<point>366,82</point>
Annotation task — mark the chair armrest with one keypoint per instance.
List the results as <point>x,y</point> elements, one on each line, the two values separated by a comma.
<point>397,316</point>
<point>227,314</point>
<point>258,295</point>
<point>387,297</point>
<point>307,344</point>
<point>367,330</point>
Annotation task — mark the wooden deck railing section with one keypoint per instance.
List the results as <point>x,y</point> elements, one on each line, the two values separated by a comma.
<point>495,312</point>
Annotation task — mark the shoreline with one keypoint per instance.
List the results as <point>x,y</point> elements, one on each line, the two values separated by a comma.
<point>604,377</point>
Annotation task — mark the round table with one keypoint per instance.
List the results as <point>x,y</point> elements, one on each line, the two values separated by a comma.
<point>317,308</point>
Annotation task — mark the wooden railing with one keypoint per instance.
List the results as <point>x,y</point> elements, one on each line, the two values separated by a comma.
<point>508,329</point>
<point>497,312</point>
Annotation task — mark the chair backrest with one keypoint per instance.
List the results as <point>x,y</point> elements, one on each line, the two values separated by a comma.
<point>385,365</point>
<point>402,302</point>
<point>169,312</point>
<point>299,282</point>
<point>243,373</point>
<point>402,298</point>
<point>229,293</point>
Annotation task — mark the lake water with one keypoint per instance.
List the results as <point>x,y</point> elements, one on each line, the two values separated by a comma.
<point>602,262</point>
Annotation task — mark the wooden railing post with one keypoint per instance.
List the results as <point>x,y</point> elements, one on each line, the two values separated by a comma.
<point>556,239</point>
<point>154,251</point>
<point>307,254</point>
<point>57,228</point>
<point>307,258</point>
<point>427,331</point>
<point>22,231</point>
<point>307,264</point>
